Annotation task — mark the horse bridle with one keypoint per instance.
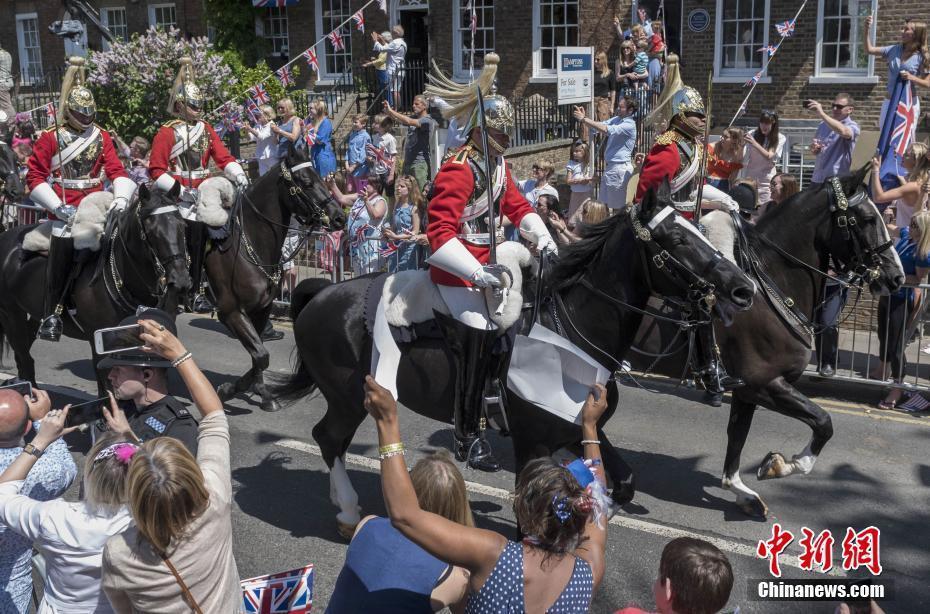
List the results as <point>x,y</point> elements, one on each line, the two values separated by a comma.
<point>700,291</point>
<point>866,261</point>
<point>295,190</point>
<point>160,269</point>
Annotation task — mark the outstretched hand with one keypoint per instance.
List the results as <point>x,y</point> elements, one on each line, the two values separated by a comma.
<point>595,405</point>
<point>53,427</point>
<point>379,402</point>
<point>159,340</point>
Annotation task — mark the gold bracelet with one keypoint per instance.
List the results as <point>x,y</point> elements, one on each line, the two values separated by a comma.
<point>387,455</point>
<point>391,447</point>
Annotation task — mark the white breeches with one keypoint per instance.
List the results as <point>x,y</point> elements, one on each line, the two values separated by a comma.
<point>468,306</point>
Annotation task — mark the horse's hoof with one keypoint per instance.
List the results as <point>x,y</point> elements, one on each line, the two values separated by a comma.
<point>773,466</point>
<point>346,531</point>
<point>622,493</point>
<point>270,405</point>
<point>225,391</point>
<point>753,507</point>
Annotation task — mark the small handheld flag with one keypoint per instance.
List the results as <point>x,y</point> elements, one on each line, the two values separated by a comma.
<point>768,49</point>
<point>310,136</point>
<point>259,94</point>
<point>50,111</point>
<point>290,592</point>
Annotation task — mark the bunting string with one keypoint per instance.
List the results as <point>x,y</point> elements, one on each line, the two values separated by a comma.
<point>785,30</point>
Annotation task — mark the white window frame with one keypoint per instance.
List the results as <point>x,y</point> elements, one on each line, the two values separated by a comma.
<point>105,12</point>
<point>26,76</point>
<point>323,49</point>
<point>842,75</point>
<point>280,16</point>
<point>153,9</point>
<point>544,75</point>
<point>739,75</point>
<point>460,71</point>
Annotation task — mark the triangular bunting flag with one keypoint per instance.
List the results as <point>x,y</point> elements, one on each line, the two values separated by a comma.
<point>336,39</point>
<point>259,94</point>
<point>785,29</point>
<point>310,57</point>
<point>359,20</point>
<point>284,76</point>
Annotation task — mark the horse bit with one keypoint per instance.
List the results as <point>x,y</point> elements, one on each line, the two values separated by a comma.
<point>862,256</point>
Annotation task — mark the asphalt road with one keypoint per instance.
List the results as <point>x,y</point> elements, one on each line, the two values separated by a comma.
<point>875,471</point>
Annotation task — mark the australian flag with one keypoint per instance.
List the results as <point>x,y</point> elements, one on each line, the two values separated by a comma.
<point>898,127</point>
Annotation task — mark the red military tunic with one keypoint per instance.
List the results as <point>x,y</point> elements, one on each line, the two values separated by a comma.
<point>96,159</point>
<point>453,190</point>
<point>190,166</point>
<point>662,162</point>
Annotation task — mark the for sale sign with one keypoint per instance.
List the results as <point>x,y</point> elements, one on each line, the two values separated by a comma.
<point>575,74</point>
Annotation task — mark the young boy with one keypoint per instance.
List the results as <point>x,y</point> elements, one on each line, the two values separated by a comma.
<point>359,139</point>
<point>383,151</point>
<point>694,578</point>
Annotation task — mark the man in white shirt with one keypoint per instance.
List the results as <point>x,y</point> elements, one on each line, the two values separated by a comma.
<point>396,51</point>
<point>49,479</point>
<point>6,83</point>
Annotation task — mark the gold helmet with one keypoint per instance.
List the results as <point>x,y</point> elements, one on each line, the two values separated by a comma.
<point>185,91</point>
<point>463,103</point>
<point>76,104</point>
<point>677,101</point>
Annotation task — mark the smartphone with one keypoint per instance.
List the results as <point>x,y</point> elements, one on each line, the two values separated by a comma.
<point>89,411</point>
<point>118,339</point>
<point>23,388</point>
<point>808,102</point>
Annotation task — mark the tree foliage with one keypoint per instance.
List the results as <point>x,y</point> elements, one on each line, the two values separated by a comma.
<point>233,22</point>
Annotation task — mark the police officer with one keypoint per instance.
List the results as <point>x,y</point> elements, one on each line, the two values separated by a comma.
<point>140,381</point>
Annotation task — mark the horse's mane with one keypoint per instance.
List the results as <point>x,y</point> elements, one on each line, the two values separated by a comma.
<point>575,258</point>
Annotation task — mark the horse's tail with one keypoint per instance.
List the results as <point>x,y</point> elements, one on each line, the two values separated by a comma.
<point>304,292</point>
<point>297,385</point>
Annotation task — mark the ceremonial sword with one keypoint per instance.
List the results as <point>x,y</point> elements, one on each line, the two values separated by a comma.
<point>703,151</point>
<point>489,172</point>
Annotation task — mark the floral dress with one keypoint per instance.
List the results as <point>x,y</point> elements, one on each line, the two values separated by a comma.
<point>364,237</point>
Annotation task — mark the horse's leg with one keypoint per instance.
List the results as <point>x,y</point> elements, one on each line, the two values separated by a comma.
<point>257,373</point>
<point>333,434</point>
<point>787,400</point>
<point>241,327</point>
<point>619,471</point>
<point>21,334</point>
<point>741,414</point>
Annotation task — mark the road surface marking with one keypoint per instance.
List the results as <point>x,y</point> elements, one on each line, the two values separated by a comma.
<point>634,524</point>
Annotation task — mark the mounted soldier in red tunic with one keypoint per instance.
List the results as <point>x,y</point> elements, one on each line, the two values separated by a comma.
<point>460,234</point>
<point>69,162</point>
<point>181,154</point>
<point>678,157</point>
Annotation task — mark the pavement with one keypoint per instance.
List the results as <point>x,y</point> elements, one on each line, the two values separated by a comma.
<point>874,472</point>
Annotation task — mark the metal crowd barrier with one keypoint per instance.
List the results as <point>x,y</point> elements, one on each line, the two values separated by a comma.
<point>880,341</point>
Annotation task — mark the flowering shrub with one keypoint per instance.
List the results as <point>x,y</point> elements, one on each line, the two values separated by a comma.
<point>132,80</point>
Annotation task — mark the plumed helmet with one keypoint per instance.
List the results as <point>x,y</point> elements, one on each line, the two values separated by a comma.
<point>687,100</point>
<point>677,99</point>
<point>185,89</point>
<point>76,104</point>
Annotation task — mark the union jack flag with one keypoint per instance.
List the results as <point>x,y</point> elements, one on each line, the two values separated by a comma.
<point>259,94</point>
<point>290,592</point>
<point>310,56</point>
<point>755,79</point>
<point>310,136</point>
<point>252,109</point>
<point>273,3</point>
<point>336,39</point>
<point>359,21</point>
<point>785,29</point>
<point>768,49</point>
<point>284,76</point>
<point>50,111</point>
<point>905,122</point>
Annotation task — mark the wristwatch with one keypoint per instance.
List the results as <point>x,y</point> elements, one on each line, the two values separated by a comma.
<point>31,449</point>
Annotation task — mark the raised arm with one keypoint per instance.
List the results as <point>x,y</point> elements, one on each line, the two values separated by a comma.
<point>881,195</point>
<point>346,200</point>
<point>867,45</point>
<point>594,547</point>
<point>581,116</point>
<point>400,117</point>
<point>474,549</point>
<point>835,125</point>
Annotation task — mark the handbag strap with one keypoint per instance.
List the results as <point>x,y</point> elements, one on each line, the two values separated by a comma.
<point>184,590</point>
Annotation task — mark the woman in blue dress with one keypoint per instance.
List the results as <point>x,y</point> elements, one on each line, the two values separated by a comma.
<point>324,159</point>
<point>403,225</point>
<point>290,128</point>
<point>367,210</point>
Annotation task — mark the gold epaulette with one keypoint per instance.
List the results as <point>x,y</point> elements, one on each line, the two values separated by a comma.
<point>459,155</point>
<point>173,123</point>
<point>670,136</point>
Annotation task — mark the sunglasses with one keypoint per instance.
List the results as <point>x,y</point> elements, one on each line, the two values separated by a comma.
<point>837,107</point>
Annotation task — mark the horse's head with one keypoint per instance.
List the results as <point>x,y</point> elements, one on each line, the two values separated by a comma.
<point>859,239</point>
<point>164,233</point>
<point>682,262</point>
<point>307,196</point>
<point>11,187</point>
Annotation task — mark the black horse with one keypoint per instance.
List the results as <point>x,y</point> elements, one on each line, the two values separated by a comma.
<point>594,292</point>
<point>142,262</point>
<point>770,349</point>
<point>245,268</point>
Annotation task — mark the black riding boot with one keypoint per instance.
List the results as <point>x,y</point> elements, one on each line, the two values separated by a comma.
<point>57,272</point>
<point>470,349</point>
<point>710,369</point>
<point>197,241</point>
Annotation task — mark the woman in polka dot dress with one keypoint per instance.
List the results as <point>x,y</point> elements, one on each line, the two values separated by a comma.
<point>559,563</point>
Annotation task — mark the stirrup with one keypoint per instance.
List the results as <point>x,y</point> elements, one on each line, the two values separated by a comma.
<point>476,453</point>
<point>51,327</point>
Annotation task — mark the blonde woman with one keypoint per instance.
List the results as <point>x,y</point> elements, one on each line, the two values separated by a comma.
<point>385,571</point>
<point>909,59</point>
<point>178,556</point>
<point>590,213</point>
<point>266,141</point>
<point>604,94</point>
<point>71,536</point>
<point>896,312</point>
<point>290,129</point>
<point>910,197</point>
<point>321,129</point>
